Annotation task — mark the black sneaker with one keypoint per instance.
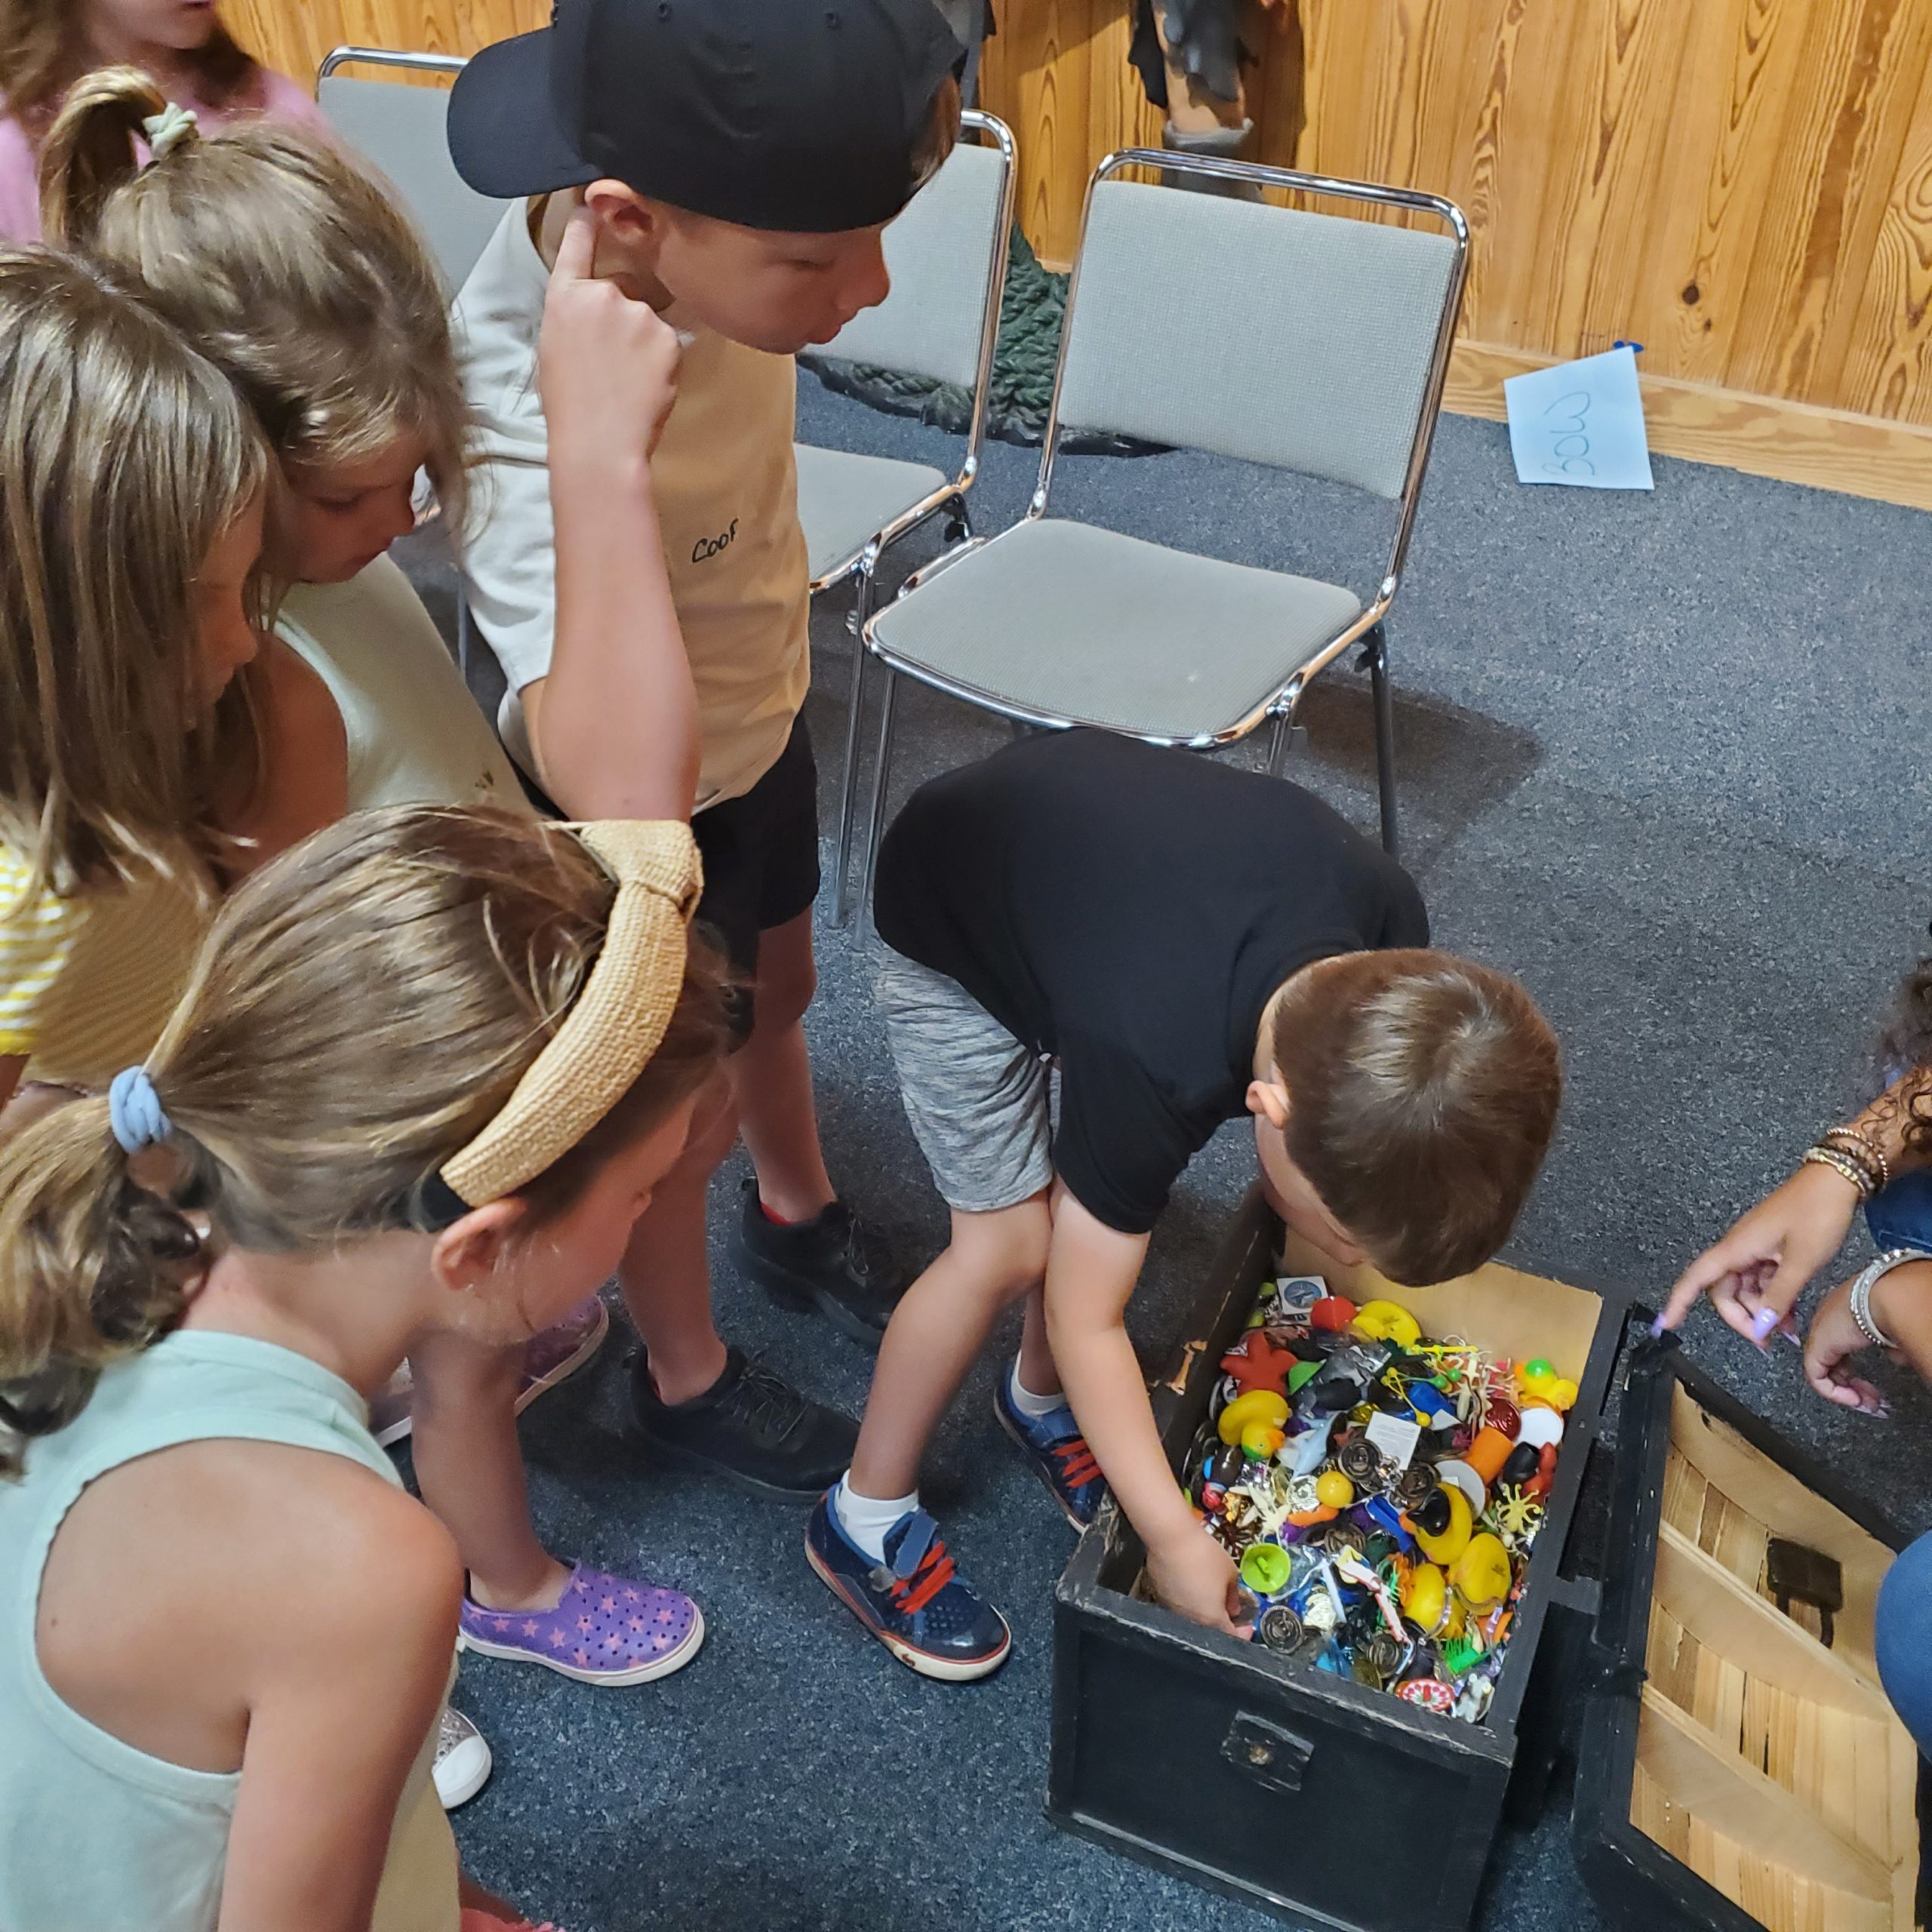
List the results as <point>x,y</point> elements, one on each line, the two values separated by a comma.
<point>832,1262</point>
<point>749,1425</point>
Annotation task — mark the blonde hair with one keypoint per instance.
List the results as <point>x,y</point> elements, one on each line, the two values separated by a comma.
<point>362,1007</point>
<point>1422,1092</point>
<point>43,51</point>
<point>287,264</point>
<point>123,457</point>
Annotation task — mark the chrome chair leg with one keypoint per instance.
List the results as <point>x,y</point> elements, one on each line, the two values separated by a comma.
<point>463,633</point>
<point>1375,650</point>
<point>1279,738</point>
<point>881,773</point>
<point>864,587</point>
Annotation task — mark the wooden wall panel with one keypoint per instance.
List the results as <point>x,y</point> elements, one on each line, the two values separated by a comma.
<point>1745,187</point>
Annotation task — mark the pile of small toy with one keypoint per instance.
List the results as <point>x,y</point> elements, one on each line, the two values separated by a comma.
<point>1380,1492</point>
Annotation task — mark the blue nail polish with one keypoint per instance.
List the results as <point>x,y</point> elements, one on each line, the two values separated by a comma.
<point>1763,1322</point>
<point>1656,1327</point>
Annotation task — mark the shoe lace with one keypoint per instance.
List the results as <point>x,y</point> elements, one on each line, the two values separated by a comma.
<point>1077,1465</point>
<point>935,1570</point>
<point>769,1405</point>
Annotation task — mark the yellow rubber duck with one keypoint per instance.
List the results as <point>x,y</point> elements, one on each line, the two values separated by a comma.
<point>1257,1405</point>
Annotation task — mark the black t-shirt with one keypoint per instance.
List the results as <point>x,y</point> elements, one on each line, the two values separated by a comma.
<point>1131,910</point>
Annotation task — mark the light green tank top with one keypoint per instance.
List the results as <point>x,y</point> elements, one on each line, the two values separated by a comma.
<point>94,1834</point>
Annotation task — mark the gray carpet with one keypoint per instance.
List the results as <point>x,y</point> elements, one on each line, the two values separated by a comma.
<point>1663,756</point>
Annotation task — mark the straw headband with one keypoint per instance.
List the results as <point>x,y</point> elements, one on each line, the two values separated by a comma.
<point>616,1023</point>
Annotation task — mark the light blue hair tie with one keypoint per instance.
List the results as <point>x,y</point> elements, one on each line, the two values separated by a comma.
<point>134,1111</point>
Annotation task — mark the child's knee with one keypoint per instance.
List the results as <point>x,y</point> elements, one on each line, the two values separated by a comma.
<point>1008,1248</point>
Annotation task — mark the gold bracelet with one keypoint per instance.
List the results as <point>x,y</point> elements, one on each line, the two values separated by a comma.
<point>1841,1164</point>
<point>1869,1149</point>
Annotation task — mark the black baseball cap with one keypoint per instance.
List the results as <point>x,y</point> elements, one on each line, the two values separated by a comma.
<point>802,116</point>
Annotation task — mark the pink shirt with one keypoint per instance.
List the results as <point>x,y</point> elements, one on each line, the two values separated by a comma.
<point>20,188</point>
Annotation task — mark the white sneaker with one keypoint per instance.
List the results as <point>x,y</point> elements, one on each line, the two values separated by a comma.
<point>463,1760</point>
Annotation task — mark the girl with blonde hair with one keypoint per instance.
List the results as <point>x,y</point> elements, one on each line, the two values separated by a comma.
<point>289,268</point>
<point>286,268</point>
<point>429,1068</point>
<point>46,45</point>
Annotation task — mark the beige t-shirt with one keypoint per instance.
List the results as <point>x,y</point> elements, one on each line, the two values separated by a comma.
<point>726,500</point>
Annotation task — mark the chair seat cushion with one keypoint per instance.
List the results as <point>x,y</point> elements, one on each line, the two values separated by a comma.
<point>1066,621</point>
<point>845,500</point>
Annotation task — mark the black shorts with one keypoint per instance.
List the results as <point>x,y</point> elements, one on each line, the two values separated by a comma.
<point>760,861</point>
<point>761,855</point>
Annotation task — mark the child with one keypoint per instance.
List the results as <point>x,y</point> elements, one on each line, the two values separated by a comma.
<point>429,1066</point>
<point>747,154</point>
<point>46,45</point>
<point>1189,942</point>
<point>293,270</point>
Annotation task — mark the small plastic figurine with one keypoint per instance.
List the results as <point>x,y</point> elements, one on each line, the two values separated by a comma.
<point>1537,1382</point>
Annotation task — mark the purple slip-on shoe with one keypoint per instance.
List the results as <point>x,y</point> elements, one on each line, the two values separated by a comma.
<point>608,1630</point>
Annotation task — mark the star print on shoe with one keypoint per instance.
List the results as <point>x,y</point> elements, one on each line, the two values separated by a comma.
<point>587,1637</point>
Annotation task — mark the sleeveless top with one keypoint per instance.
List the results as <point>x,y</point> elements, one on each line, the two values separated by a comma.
<point>94,1833</point>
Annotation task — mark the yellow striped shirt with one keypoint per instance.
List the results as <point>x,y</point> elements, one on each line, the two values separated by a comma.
<point>88,982</point>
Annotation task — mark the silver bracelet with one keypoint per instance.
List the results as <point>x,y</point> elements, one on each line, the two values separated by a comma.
<point>1869,1277</point>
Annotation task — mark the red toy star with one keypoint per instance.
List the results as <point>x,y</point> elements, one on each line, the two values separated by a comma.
<point>1257,1363</point>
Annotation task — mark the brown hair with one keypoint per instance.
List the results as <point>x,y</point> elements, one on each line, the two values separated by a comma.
<point>363,1006</point>
<point>44,51</point>
<point>284,261</point>
<point>1906,1053</point>
<point>1422,1092</point>
<point>124,457</point>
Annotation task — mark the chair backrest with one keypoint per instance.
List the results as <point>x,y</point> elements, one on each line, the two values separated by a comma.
<point>1313,343</point>
<point>947,255</point>
<point>400,131</point>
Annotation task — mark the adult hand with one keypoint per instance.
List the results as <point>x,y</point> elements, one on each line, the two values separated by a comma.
<point>1833,1340</point>
<point>1758,1271</point>
<point>607,364</point>
<point>1193,1574</point>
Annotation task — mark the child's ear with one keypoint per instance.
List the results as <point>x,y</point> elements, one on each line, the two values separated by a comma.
<point>1268,1099</point>
<point>625,215</point>
<point>470,1251</point>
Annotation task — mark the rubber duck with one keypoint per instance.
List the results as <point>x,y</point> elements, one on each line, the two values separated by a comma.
<point>1444,1544</point>
<point>1481,1574</point>
<point>1388,1321</point>
<point>1537,1381</point>
<point>1427,1604</point>
<point>1261,1405</point>
<point>1260,1440</point>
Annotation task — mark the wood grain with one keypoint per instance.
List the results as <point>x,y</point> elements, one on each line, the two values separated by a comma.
<point>1745,187</point>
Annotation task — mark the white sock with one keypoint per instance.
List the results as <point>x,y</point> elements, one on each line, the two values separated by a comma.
<point>866,1518</point>
<point>1030,1405</point>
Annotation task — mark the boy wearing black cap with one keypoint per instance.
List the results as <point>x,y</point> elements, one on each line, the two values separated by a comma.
<point>740,158</point>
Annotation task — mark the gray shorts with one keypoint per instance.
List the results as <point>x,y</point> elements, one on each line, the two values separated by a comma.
<point>978,1100</point>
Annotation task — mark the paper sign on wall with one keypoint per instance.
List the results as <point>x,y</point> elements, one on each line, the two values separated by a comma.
<point>1580,423</point>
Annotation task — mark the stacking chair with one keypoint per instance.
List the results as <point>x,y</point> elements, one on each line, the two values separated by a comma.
<point>400,131</point>
<point>1314,344</point>
<point>947,255</point>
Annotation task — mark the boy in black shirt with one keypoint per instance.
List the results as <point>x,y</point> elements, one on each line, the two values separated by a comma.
<point>1188,942</point>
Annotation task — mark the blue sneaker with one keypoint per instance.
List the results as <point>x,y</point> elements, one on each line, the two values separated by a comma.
<point>915,1602</point>
<point>1058,1452</point>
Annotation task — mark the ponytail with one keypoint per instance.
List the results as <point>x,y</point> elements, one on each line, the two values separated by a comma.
<point>90,150</point>
<point>92,1266</point>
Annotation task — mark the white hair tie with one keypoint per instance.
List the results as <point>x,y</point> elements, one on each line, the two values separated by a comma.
<point>167,130</point>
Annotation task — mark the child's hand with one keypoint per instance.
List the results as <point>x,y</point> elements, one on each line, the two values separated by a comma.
<point>1835,1338</point>
<point>1758,1270</point>
<point>607,364</point>
<point>1195,1576</point>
